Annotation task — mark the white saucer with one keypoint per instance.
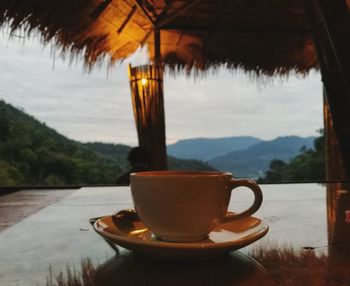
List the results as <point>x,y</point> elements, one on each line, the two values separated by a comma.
<point>225,238</point>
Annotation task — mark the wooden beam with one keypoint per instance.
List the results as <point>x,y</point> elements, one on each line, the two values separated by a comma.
<point>143,9</point>
<point>165,19</point>
<point>149,6</point>
<point>127,20</point>
<point>157,53</point>
<point>100,8</point>
<point>209,28</point>
<point>145,38</point>
<point>217,15</point>
<point>335,15</point>
<point>168,5</point>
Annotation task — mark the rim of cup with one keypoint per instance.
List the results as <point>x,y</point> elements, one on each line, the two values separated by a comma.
<point>180,173</point>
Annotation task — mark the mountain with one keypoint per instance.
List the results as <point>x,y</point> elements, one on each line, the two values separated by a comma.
<point>31,153</point>
<point>206,149</point>
<point>114,152</point>
<point>118,153</point>
<point>254,161</point>
<point>308,165</point>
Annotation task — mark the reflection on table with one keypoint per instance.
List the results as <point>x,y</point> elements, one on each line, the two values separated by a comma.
<point>308,243</point>
<point>129,269</point>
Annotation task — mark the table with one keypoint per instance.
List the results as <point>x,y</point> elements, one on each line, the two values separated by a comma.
<point>35,250</point>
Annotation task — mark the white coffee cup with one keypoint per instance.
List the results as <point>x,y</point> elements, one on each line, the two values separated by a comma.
<point>185,206</point>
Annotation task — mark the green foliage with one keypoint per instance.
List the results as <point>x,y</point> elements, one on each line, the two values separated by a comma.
<point>182,164</point>
<point>309,165</point>
<point>114,152</point>
<point>10,175</point>
<point>33,154</point>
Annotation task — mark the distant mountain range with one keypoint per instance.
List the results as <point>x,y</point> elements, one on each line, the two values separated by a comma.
<point>206,149</point>
<point>243,156</point>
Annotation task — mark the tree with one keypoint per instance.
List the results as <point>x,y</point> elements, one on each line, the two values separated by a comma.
<point>309,165</point>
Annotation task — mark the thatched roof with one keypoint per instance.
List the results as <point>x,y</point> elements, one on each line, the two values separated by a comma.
<point>262,36</point>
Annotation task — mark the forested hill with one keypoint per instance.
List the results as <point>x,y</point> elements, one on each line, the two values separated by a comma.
<point>308,165</point>
<point>33,154</point>
<point>118,152</point>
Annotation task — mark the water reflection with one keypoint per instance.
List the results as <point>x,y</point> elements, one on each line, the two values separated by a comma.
<point>129,269</point>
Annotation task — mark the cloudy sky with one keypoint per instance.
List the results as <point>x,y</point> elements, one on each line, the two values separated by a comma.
<point>96,106</point>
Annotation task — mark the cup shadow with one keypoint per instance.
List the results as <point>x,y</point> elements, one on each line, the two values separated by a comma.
<point>128,268</point>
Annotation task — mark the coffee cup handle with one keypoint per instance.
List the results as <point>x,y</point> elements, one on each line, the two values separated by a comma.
<point>258,198</point>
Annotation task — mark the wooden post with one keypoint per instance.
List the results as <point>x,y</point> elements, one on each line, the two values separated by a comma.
<point>336,18</point>
<point>338,194</point>
<point>335,86</point>
<point>335,70</point>
<point>157,53</point>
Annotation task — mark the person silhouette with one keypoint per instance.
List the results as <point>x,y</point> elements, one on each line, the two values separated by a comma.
<point>139,161</point>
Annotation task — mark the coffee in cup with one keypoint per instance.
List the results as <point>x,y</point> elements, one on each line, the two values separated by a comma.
<point>185,206</point>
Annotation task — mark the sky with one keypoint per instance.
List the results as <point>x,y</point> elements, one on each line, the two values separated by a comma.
<point>96,106</point>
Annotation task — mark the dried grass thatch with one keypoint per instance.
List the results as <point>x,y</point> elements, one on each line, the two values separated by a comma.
<point>261,36</point>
